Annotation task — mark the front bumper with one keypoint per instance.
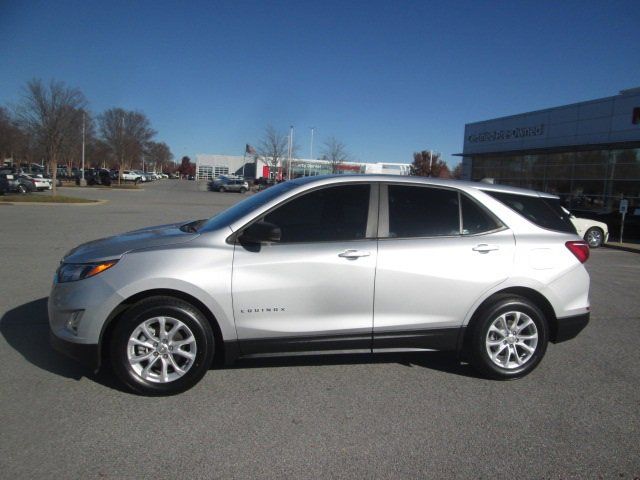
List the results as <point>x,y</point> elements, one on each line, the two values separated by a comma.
<point>569,327</point>
<point>87,354</point>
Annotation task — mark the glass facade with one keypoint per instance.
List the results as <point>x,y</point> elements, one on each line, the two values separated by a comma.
<point>593,180</point>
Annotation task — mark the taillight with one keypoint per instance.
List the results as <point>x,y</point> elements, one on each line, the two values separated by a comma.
<point>580,249</point>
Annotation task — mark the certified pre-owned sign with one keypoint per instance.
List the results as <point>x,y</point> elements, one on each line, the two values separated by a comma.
<point>495,135</point>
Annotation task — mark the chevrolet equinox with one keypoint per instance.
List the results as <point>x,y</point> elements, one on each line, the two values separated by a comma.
<point>323,264</point>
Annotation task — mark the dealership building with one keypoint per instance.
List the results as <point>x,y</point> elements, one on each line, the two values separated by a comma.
<point>588,153</point>
<point>209,167</point>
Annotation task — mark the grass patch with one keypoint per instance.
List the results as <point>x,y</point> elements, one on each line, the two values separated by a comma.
<point>43,199</point>
<point>123,186</point>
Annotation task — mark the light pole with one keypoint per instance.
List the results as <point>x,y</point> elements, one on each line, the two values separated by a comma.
<point>290,150</point>
<point>83,181</point>
<point>313,129</point>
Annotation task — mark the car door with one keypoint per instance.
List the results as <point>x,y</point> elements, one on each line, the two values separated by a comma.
<point>439,251</point>
<point>312,289</point>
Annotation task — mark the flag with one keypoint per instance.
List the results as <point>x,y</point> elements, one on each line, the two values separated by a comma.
<point>250,150</point>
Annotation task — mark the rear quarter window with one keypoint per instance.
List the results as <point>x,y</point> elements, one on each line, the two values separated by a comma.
<point>544,212</point>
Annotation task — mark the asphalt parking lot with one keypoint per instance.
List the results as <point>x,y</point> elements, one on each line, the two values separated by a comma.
<point>389,416</point>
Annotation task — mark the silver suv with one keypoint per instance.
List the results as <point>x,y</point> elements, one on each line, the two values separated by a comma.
<point>229,184</point>
<point>320,264</point>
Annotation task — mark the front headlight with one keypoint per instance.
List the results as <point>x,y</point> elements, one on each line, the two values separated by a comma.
<point>70,272</point>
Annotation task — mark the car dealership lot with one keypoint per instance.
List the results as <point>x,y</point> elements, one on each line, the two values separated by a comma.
<point>346,416</point>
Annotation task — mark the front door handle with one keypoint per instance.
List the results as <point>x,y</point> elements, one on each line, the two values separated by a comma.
<point>353,254</point>
<point>484,248</point>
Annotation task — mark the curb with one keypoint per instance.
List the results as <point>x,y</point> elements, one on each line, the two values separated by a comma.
<point>55,204</point>
<point>623,248</point>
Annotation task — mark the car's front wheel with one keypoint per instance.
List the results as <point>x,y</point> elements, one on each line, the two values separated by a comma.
<point>594,237</point>
<point>222,189</point>
<point>509,338</point>
<point>243,190</point>
<point>22,189</point>
<point>162,346</point>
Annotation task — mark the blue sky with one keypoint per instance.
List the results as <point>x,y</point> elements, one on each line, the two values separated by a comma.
<point>386,78</point>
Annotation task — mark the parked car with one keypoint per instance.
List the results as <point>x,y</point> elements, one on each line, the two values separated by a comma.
<point>16,183</point>
<point>492,272</point>
<point>594,233</point>
<point>225,183</point>
<point>7,182</point>
<point>131,176</point>
<point>26,184</point>
<point>95,176</point>
<point>40,182</point>
<point>613,219</point>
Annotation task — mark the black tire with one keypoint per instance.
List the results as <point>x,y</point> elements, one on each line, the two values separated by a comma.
<point>243,190</point>
<point>222,189</point>
<point>479,338</point>
<point>22,189</point>
<point>594,237</point>
<point>162,307</point>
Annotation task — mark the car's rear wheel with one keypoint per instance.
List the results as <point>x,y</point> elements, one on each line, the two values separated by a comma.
<point>509,338</point>
<point>22,189</point>
<point>222,189</point>
<point>162,346</point>
<point>594,237</point>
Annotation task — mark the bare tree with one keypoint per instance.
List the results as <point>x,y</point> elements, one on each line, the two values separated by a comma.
<point>429,164</point>
<point>335,152</point>
<point>14,143</point>
<point>160,154</point>
<point>127,133</point>
<point>49,114</point>
<point>273,148</point>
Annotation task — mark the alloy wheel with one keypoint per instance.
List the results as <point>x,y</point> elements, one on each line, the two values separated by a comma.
<point>511,340</point>
<point>161,349</point>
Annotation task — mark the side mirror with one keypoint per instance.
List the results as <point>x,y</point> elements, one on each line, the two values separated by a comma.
<point>261,232</point>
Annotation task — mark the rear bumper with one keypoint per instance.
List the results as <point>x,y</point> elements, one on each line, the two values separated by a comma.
<point>87,354</point>
<point>569,327</point>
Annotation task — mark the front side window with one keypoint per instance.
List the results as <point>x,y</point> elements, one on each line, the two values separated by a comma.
<point>327,214</point>
<point>422,212</point>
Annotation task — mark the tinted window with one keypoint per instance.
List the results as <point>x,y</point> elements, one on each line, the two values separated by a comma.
<point>475,219</point>
<point>423,212</point>
<point>544,212</point>
<point>327,214</point>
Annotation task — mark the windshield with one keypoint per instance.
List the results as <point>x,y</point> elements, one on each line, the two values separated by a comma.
<point>239,210</point>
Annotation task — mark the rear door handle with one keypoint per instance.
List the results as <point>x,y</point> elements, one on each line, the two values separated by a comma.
<point>484,248</point>
<point>353,254</point>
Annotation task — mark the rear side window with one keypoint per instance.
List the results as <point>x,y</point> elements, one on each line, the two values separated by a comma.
<point>476,219</point>
<point>423,212</point>
<point>544,212</point>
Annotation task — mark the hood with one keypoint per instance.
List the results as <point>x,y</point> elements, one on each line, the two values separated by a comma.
<point>114,247</point>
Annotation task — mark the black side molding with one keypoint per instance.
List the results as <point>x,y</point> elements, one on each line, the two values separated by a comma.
<point>435,339</point>
<point>306,344</point>
<point>568,327</point>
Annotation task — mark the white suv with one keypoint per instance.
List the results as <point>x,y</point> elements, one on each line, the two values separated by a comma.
<point>339,263</point>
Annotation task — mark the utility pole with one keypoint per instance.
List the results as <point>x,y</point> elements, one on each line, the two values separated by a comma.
<point>83,181</point>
